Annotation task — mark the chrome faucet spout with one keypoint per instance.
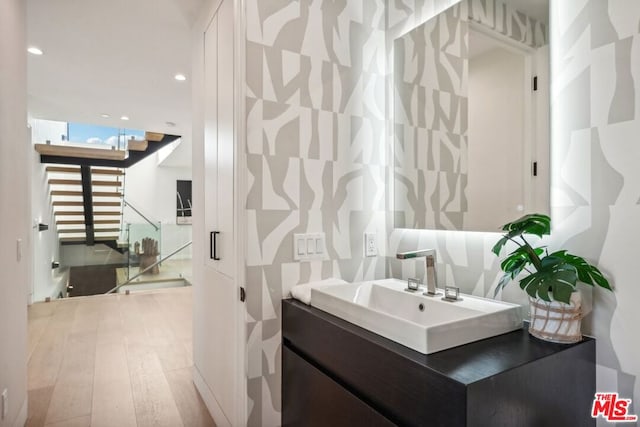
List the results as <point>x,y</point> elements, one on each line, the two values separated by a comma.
<point>430,262</point>
<point>416,254</point>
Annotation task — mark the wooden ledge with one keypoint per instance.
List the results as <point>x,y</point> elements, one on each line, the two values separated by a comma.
<point>79,152</point>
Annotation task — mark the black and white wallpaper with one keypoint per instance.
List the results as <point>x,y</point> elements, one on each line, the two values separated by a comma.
<point>315,84</point>
<point>431,110</point>
<point>319,159</point>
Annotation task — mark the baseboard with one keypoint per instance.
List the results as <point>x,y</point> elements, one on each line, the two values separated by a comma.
<point>22,415</point>
<point>212,404</point>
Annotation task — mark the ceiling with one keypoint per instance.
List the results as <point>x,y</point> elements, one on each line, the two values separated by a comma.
<point>118,57</point>
<point>115,57</point>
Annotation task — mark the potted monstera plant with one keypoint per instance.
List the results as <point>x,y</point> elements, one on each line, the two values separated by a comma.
<point>550,280</point>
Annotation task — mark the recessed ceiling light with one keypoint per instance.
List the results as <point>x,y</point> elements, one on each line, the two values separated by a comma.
<point>180,77</point>
<point>35,51</point>
<point>124,118</point>
<point>105,116</point>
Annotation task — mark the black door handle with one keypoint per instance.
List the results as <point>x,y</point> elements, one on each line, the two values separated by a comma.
<point>213,250</point>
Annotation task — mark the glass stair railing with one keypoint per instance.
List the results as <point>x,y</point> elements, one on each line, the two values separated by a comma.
<point>169,271</point>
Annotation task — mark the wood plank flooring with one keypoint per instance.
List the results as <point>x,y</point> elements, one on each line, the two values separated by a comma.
<point>114,360</point>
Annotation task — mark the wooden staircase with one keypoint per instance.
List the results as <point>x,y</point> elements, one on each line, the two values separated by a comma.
<point>102,157</point>
<point>86,187</point>
<point>74,224</point>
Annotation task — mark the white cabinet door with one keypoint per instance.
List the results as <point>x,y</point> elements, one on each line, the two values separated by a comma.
<point>226,188</point>
<point>211,139</point>
<point>217,333</point>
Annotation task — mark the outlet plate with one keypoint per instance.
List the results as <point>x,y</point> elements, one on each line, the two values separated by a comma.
<point>5,403</point>
<point>370,244</point>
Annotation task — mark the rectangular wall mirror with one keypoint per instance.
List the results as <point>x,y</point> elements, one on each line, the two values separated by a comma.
<point>471,117</point>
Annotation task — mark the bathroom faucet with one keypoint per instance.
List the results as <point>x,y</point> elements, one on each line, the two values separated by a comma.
<point>430,261</point>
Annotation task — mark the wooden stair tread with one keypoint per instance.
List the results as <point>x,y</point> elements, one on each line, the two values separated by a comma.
<point>82,230</point>
<point>70,222</point>
<point>66,193</point>
<point>94,171</point>
<point>137,145</point>
<point>79,182</point>
<point>106,213</point>
<point>81,203</point>
<point>95,213</point>
<point>65,182</point>
<point>106,203</point>
<point>79,152</point>
<point>153,136</point>
<point>83,239</point>
<point>62,169</point>
<point>81,221</point>
<point>79,193</point>
<point>68,213</point>
<point>67,203</point>
<point>107,183</point>
<point>106,194</point>
<point>100,171</point>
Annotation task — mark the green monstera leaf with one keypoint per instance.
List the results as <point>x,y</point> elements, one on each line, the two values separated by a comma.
<point>556,280</point>
<point>513,265</point>
<point>552,277</point>
<point>587,273</point>
<point>535,224</point>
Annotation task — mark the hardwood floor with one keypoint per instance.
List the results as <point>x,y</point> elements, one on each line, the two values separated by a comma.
<point>114,361</point>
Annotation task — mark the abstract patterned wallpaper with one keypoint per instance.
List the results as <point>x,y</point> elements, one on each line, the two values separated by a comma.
<point>430,120</point>
<point>316,160</point>
<point>503,18</point>
<point>464,258</point>
<point>431,74</point>
<point>318,149</point>
<point>595,56</point>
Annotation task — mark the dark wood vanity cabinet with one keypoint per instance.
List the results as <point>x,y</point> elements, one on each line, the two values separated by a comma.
<point>338,374</point>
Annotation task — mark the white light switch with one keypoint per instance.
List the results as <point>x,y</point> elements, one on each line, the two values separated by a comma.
<point>308,247</point>
<point>299,246</point>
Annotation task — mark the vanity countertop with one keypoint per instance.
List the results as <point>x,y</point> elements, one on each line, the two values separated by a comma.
<point>506,378</point>
<point>465,364</point>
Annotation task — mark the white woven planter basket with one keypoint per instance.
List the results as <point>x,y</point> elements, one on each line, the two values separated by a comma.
<point>556,321</point>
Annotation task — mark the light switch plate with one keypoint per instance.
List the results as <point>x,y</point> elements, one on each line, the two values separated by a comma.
<point>299,246</point>
<point>309,246</point>
<point>370,244</point>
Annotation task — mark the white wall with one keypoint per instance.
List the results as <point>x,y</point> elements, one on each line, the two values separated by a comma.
<point>496,136</point>
<point>47,282</point>
<point>151,188</point>
<point>14,210</point>
<point>43,130</point>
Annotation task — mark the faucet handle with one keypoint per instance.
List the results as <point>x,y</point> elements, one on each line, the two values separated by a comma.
<point>451,294</point>
<point>413,284</point>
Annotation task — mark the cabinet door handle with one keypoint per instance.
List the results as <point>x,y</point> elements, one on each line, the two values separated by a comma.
<point>213,250</point>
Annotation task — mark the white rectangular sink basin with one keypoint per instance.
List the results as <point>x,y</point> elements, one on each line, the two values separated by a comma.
<point>385,308</point>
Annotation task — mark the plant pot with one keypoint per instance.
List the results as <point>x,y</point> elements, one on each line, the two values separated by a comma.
<point>556,321</point>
